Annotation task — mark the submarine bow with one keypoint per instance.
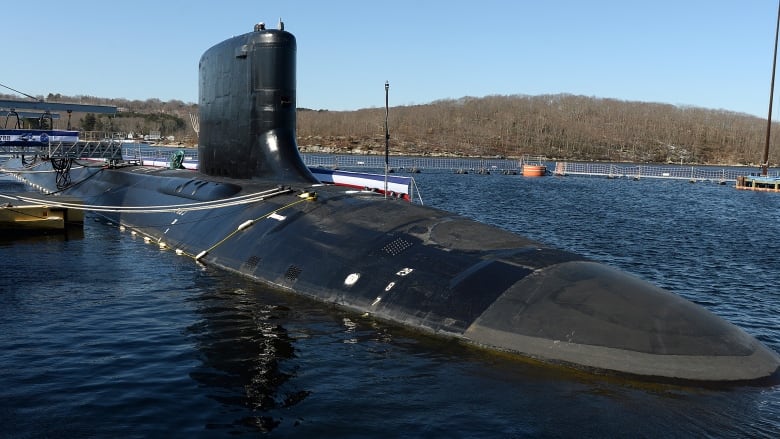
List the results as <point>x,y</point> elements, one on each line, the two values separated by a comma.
<point>418,266</point>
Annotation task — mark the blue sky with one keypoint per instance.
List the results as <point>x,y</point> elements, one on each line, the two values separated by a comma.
<point>714,54</point>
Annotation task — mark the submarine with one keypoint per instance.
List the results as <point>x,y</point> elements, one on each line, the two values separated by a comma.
<point>254,208</point>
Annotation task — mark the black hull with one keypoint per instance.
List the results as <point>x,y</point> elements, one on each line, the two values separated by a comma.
<point>427,269</point>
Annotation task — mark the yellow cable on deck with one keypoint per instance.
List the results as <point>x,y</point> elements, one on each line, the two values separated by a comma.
<point>306,196</point>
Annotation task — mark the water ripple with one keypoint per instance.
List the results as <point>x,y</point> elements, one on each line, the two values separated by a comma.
<point>105,336</point>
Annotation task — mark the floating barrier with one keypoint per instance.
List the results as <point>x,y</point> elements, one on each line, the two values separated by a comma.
<point>611,170</point>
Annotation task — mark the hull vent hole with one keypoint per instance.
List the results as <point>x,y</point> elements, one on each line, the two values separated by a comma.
<point>251,263</point>
<point>397,246</point>
<point>292,273</point>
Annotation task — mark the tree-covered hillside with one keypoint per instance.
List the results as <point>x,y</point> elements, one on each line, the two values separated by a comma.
<point>557,126</point>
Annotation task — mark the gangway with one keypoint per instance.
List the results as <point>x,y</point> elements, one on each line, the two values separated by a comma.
<point>42,140</point>
<point>57,144</point>
<point>46,140</point>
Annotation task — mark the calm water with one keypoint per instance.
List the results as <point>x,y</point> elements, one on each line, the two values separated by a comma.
<point>102,335</point>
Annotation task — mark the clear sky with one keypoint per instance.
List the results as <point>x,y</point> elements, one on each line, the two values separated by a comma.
<point>707,53</point>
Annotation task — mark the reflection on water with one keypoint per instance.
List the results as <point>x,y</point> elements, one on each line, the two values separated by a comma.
<point>244,348</point>
<point>10,237</point>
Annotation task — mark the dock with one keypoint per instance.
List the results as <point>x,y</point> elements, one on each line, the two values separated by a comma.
<point>36,212</point>
<point>758,183</point>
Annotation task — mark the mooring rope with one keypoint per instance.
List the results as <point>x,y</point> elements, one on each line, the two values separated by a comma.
<point>178,208</point>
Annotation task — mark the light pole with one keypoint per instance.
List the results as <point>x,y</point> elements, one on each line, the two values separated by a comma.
<point>387,135</point>
<point>765,157</point>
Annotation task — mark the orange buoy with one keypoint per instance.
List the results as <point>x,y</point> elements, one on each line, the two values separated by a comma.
<point>534,170</point>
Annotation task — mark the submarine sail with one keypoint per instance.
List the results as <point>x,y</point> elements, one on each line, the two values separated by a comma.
<point>255,209</point>
<point>247,108</point>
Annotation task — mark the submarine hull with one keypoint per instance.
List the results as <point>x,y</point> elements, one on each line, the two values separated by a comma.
<point>254,208</point>
<point>428,269</point>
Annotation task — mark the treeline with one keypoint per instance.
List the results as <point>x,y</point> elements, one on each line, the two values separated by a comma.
<point>562,126</point>
<point>557,126</point>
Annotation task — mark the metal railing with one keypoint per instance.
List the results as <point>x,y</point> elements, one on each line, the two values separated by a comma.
<point>406,163</point>
<point>102,149</point>
<point>647,171</point>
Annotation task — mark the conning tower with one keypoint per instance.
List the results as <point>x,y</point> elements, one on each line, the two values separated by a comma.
<point>247,108</point>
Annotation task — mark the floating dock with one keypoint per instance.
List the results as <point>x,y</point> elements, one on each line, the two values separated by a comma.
<point>758,183</point>
<point>34,212</point>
